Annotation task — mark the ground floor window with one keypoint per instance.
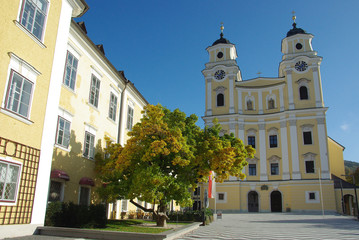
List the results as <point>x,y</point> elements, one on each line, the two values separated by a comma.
<point>55,193</point>
<point>9,181</point>
<point>84,196</point>
<point>312,197</point>
<point>196,205</point>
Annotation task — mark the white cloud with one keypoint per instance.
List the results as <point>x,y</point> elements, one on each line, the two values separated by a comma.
<point>344,126</point>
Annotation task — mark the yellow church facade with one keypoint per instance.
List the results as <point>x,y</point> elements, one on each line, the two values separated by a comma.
<point>284,119</point>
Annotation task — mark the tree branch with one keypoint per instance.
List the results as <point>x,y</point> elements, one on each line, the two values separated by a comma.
<point>143,208</point>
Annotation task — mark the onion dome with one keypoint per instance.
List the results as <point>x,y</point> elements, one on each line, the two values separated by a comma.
<point>295,30</point>
<point>221,39</point>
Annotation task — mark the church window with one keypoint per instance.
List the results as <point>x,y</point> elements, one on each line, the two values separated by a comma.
<point>220,55</point>
<point>252,169</point>
<point>249,105</point>
<point>252,141</point>
<point>307,137</point>
<point>273,141</point>
<point>274,169</point>
<point>220,99</point>
<point>309,166</point>
<point>303,93</point>
<point>299,46</point>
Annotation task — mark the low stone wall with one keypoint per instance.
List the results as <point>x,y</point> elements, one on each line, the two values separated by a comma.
<point>112,235</point>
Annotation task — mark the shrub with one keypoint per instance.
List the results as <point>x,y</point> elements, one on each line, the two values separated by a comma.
<point>190,216</point>
<point>75,216</point>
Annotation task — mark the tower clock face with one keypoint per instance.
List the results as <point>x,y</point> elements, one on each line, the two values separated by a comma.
<point>301,66</point>
<point>220,74</point>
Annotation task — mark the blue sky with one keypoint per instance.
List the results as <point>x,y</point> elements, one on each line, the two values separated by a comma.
<point>160,44</point>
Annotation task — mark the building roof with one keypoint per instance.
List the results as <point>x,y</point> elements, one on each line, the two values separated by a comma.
<point>295,30</point>
<point>340,183</point>
<point>221,40</point>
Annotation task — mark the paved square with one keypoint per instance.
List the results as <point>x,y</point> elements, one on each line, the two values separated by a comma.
<point>278,226</point>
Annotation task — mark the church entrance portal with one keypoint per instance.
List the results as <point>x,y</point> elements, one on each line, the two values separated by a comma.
<point>276,201</point>
<point>253,202</point>
<point>349,206</point>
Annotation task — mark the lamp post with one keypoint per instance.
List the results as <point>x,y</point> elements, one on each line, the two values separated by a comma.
<point>355,192</point>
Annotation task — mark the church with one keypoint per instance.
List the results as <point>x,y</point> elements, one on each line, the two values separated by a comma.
<point>284,119</point>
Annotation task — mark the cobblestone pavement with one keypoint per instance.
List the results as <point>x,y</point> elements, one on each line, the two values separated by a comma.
<point>278,226</point>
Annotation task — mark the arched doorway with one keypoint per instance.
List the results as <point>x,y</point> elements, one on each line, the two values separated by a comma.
<point>253,202</point>
<point>349,204</point>
<point>276,201</point>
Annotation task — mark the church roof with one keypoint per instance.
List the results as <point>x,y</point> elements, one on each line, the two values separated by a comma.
<point>295,30</point>
<point>221,40</point>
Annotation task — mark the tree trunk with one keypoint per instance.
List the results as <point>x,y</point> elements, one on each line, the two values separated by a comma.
<point>161,215</point>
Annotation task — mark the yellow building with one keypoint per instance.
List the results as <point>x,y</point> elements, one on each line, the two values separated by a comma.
<point>33,39</point>
<point>96,101</point>
<point>284,119</point>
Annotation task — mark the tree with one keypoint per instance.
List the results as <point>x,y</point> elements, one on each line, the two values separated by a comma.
<point>168,154</point>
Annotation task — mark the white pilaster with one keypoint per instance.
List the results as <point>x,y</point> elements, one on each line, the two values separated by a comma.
<point>50,121</point>
<point>284,145</point>
<point>290,89</point>
<point>281,99</point>
<point>209,97</point>
<point>322,138</point>
<point>232,126</point>
<point>317,91</point>
<point>240,111</point>
<point>262,152</point>
<point>260,102</point>
<point>231,96</point>
<point>241,130</point>
<point>294,149</point>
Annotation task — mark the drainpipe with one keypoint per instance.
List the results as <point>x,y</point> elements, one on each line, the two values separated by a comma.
<point>120,112</point>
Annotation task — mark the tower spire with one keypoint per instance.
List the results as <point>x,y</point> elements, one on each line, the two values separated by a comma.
<point>293,18</point>
<point>221,30</point>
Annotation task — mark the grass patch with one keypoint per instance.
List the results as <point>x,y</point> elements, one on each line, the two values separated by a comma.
<point>132,225</point>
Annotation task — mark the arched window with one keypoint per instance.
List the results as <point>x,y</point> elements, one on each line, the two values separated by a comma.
<point>220,100</point>
<point>303,93</point>
<point>249,105</point>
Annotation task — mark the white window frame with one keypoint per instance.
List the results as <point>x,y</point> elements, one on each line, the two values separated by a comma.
<point>129,123</point>
<point>249,173</point>
<point>30,33</point>
<point>9,162</point>
<point>303,82</point>
<point>124,205</point>
<point>89,194</point>
<point>274,160</point>
<point>273,132</point>
<point>92,132</point>
<point>94,93</point>
<point>72,69</point>
<point>64,132</point>
<point>307,128</point>
<point>224,200</point>
<point>309,157</point>
<point>112,111</point>
<point>16,90</point>
<point>27,71</point>
<point>307,197</point>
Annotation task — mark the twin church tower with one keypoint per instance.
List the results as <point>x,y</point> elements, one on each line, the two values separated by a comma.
<point>283,118</point>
